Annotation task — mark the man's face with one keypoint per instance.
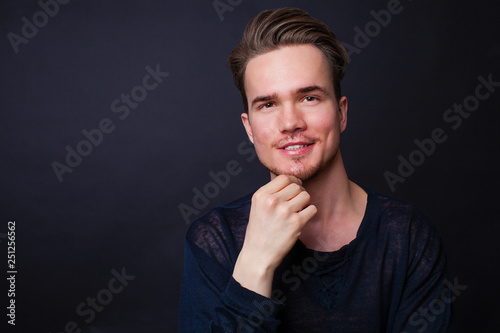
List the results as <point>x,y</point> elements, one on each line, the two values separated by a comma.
<point>293,117</point>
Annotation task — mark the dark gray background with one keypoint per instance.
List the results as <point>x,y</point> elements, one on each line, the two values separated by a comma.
<point>119,207</point>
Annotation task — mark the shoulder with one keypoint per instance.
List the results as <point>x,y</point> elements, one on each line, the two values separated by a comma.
<point>404,227</point>
<point>393,209</point>
<point>399,217</point>
<point>221,226</point>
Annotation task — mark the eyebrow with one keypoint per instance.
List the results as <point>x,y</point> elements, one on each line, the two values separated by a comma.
<point>312,88</point>
<point>259,99</point>
<point>302,90</point>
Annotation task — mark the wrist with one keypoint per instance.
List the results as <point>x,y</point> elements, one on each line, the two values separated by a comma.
<point>253,274</point>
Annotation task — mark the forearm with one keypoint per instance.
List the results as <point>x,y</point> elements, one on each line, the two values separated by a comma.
<point>221,304</point>
<point>253,274</point>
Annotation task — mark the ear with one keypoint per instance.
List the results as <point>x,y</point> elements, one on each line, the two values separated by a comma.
<point>343,113</point>
<point>246,124</point>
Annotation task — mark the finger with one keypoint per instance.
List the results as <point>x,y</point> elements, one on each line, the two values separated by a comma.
<point>300,201</point>
<point>289,192</point>
<point>294,179</point>
<point>308,213</point>
<point>280,182</point>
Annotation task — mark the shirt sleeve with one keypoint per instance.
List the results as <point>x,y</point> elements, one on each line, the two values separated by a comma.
<point>426,301</point>
<point>211,300</point>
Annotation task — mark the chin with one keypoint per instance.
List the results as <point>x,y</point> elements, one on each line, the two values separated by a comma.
<point>302,172</point>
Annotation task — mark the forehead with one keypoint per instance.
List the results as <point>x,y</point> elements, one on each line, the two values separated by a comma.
<point>287,69</point>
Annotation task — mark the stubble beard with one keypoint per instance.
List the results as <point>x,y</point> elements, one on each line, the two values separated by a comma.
<point>301,171</point>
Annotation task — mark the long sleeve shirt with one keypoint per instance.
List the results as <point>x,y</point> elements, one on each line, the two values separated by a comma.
<point>391,278</point>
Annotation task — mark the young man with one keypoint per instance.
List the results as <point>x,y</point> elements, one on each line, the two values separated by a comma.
<point>310,251</point>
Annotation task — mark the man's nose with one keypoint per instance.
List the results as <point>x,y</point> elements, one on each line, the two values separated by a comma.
<point>291,119</point>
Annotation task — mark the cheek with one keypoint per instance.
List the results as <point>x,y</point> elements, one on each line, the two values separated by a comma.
<point>323,123</point>
<point>263,133</point>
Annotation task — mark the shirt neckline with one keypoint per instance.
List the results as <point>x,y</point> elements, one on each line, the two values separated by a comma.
<point>365,223</point>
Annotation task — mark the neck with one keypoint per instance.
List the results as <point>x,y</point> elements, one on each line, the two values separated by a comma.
<point>341,205</point>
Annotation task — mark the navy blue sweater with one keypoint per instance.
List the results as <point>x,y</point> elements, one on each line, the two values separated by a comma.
<point>391,278</point>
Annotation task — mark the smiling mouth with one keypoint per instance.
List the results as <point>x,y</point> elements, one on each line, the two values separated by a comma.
<point>295,147</point>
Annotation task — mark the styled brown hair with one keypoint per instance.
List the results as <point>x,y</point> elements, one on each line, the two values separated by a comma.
<point>272,29</point>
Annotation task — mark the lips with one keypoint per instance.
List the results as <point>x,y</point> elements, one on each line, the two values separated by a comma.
<point>296,148</point>
<point>295,145</point>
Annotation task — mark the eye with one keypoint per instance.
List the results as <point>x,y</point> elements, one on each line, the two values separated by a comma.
<point>310,99</point>
<point>267,105</point>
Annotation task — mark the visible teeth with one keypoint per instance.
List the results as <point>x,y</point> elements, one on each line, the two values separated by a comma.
<point>295,147</point>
